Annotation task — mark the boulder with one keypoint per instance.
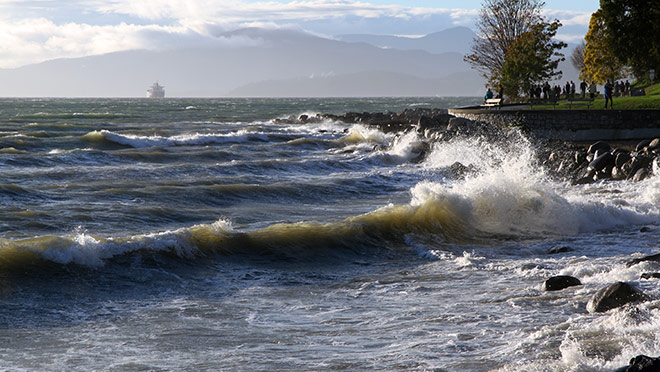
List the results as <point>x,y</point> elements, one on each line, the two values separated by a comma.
<point>642,363</point>
<point>616,295</point>
<point>642,144</point>
<point>654,144</point>
<point>460,171</point>
<point>653,257</point>
<point>559,249</point>
<point>641,174</point>
<point>602,163</point>
<point>426,122</point>
<point>598,145</point>
<point>560,282</point>
<point>622,158</point>
<point>650,276</point>
<point>461,125</point>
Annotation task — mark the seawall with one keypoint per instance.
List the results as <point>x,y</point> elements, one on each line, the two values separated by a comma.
<point>572,125</point>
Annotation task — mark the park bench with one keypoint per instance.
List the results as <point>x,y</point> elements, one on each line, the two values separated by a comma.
<point>493,102</point>
<point>580,102</point>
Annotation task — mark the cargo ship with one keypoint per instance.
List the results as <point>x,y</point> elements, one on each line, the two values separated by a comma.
<point>156,91</point>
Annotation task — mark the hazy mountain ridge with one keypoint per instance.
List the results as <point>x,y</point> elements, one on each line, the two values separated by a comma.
<point>273,56</point>
<point>457,40</point>
<point>366,84</point>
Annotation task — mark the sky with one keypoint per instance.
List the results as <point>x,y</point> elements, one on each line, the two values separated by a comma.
<point>33,31</point>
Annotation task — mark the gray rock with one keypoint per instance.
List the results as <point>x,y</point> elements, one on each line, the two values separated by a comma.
<point>650,276</point>
<point>641,175</point>
<point>653,257</point>
<point>560,282</point>
<point>643,363</point>
<point>559,249</point>
<point>640,146</point>
<point>461,125</point>
<point>598,145</point>
<point>616,295</point>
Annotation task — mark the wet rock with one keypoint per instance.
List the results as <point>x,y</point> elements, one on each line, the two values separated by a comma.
<point>622,158</point>
<point>645,229</point>
<point>654,144</point>
<point>460,171</point>
<point>583,180</point>
<point>616,295</point>
<point>637,163</point>
<point>617,174</point>
<point>640,175</point>
<point>642,363</point>
<point>650,276</point>
<point>461,125</point>
<point>560,282</point>
<point>602,162</point>
<point>598,145</point>
<point>644,143</point>
<point>653,258</point>
<point>559,249</point>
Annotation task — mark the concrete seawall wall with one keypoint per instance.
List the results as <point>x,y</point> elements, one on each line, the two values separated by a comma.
<point>573,125</point>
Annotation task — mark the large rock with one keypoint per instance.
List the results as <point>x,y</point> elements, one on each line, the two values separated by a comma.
<point>653,258</point>
<point>600,145</point>
<point>642,363</point>
<point>616,295</point>
<point>461,125</point>
<point>560,282</point>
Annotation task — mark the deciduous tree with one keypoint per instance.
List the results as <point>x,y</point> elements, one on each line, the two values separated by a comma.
<point>633,33</point>
<point>600,63</point>
<point>514,46</point>
<point>577,56</point>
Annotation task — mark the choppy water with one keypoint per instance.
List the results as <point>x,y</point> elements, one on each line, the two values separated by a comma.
<point>198,235</point>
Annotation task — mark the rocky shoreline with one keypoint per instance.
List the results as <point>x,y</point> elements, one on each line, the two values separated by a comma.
<point>575,162</point>
<point>572,162</point>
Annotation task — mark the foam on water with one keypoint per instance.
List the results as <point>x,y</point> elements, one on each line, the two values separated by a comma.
<point>195,139</point>
<point>511,194</point>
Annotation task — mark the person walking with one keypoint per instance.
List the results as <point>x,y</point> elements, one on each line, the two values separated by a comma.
<point>608,94</point>
<point>583,88</point>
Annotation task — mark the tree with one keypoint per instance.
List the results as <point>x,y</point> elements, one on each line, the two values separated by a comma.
<point>515,46</point>
<point>577,57</point>
<point>600,63</point>
<point>633,33</point>
<point>529,59</point>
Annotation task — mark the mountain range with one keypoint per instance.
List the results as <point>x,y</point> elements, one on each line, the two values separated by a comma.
<point>265,63</point>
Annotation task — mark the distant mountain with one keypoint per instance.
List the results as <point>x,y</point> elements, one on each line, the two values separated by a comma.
<point>366,84</point>
<point>266,56</point>
<point>456,40</point>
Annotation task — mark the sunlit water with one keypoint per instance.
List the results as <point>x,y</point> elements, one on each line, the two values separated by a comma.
<point>198,235</point>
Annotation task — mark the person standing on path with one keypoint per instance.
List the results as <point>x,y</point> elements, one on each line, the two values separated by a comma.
<point>608,94</point>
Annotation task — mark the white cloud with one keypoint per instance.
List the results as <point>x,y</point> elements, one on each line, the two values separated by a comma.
<point>35,40</point>
<point>34,31</point>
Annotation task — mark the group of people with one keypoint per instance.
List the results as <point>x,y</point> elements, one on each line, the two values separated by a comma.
<point>556,92</point>
<point>546,91</point>
<point>616,89</point>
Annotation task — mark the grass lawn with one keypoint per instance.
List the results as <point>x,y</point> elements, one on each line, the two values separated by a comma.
<point>650,101</point>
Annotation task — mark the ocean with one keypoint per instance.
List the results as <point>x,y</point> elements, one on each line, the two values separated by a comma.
<point>204,235</point>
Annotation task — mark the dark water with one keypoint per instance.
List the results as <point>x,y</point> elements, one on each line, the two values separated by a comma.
<point>197,234</point>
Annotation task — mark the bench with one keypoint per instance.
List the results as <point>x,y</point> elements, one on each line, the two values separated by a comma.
<point>542,102</point>
<point>493,102</point>
<point>580,102</point>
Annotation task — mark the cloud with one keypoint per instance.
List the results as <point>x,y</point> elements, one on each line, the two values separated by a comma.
<point>35,40</point>
<point>37,30</point>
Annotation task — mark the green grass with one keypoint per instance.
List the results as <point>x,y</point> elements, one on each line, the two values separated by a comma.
<point>650,101</point>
